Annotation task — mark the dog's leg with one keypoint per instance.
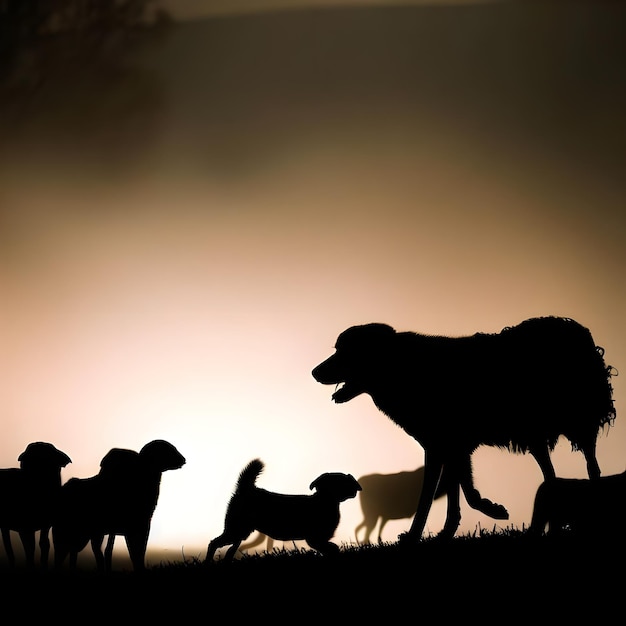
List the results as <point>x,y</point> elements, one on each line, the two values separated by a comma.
<point>472,495</point>
<point>225,539</point>
<point>324,547</point>
<point>453,515</point>
<point>589,451</point>
<point>433,465</point>
<point>230,553</point>
<point>214,545</point>
<point>541,453</point>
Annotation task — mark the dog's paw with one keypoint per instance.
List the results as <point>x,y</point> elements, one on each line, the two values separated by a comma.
<point>495,510</point>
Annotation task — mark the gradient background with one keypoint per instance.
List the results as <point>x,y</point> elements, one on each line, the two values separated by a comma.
<point>179,249</point>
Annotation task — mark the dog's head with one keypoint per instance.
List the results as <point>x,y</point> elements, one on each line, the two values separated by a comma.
<point>336,485</point>
<point>357,348</point>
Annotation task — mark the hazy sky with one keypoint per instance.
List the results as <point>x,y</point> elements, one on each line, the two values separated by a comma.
<point>179,251</point>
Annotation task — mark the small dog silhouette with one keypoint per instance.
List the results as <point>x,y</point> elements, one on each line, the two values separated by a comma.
<point>313,518</point>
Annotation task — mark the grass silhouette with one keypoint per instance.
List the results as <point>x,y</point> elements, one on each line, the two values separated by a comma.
<point>493,575</point>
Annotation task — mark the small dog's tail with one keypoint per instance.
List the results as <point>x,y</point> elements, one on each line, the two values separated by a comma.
<point>249,474</point>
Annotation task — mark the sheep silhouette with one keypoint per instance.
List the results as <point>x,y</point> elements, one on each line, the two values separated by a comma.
<point>119,500</point>
<point>520,389</point>
<point>28,496</point>
<point>580,506</point>
<point>386,497</point>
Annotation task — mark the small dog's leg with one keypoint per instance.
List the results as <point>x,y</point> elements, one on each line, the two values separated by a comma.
<point>327,548</point>
<point>223,540</point>
<point>214,544</point>
<point>230,553</point>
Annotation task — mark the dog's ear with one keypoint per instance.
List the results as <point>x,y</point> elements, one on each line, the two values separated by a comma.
<point>318,481</point>
<point>325,481</point>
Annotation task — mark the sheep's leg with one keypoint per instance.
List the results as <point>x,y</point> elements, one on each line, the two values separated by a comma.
<point>137,543</point>
<point>60,549</point>
<point>108,553</point>
<point>96,548</point>
<point>28,541</point>
<point>539,517</point>
<point>44,546</point>
<point>433,466</point>
<point>8,546</point>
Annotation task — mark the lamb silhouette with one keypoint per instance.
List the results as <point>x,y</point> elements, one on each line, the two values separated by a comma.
<point>119,500</point>
<point>581,507</point>
<point>385,497</point>
<point>520,389</point>
<point>28,495</point>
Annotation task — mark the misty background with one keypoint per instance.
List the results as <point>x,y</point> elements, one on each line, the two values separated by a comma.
<point>191,213</point>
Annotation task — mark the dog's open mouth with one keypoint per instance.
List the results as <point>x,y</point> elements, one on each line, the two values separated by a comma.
<point>345,391</point>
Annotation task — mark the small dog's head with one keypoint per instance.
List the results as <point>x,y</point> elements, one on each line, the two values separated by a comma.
<point>336,485</point>
<point>357,350</point>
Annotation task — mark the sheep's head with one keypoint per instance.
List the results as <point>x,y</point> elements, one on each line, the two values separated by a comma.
<point>118,463</point>
<point>161,455</point>
<point>40,455</point>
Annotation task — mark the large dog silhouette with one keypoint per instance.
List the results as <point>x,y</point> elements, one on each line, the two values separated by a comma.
<point>519,389</point>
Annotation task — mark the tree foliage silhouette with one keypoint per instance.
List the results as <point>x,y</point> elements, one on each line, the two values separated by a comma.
<point>67,75</point>
<point>39,38</point>
<point>37,34</point>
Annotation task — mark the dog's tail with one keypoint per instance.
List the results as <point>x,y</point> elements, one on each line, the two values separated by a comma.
<point>249,474</point>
